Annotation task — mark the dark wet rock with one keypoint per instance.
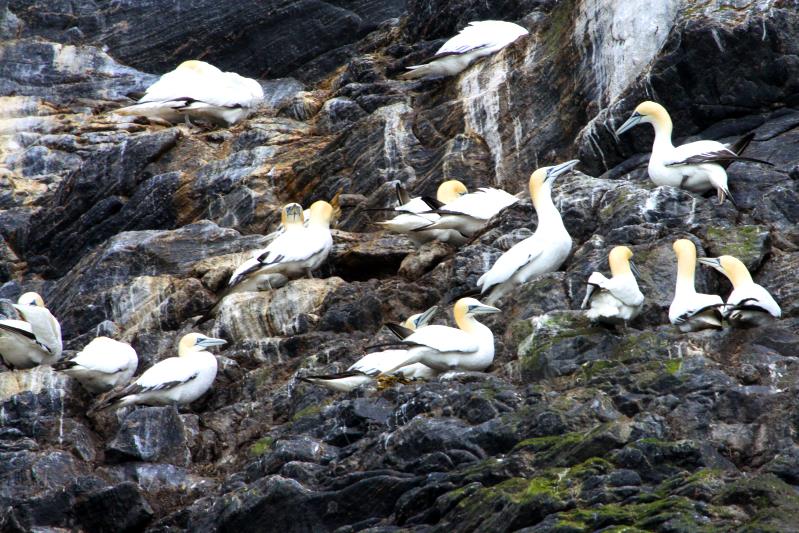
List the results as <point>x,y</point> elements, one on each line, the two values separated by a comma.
<point>295,33</point>
<point>338,114</point>
<point>135,440</point>
<point>118,508</point>
<point>285,451</point>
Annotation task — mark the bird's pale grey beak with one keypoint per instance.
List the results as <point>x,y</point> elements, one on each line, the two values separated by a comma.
<point>207,342</point>
<point>563,168</point>
<point>631,122</point>
<point>425,317</point>
<point>634,268</point>
<point>483,309</point>
<point>711,262</point>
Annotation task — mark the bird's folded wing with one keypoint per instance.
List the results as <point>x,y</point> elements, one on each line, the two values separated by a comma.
<point>473,37</point>
<point>165,375</point>
<point>700,152</point>
<point>694,311</point>
<point>330,377</point>
<point>443,339</point>
<point>43,324</point>
<point>511,262</point>
<point>377,362</point>
<point>398,330</point>
<point>291,247</point>
<point>483,204</point>
<point>245,269</point>
<point>754,298</point>
<point>624,289</point>
<point>102,358</point>
<point>20,327</point>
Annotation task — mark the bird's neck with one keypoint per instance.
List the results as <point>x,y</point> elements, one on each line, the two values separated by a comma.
<point>685,275</point>
<point>620,268</point>
<point>663,128</point>
<point>548,215</point>
<point>470,325</point>
<point>740,277</point>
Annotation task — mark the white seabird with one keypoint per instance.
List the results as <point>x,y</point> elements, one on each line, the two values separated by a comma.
<point>691,310</point>
<point>414,216</point>
<point>469,213</point>
<point>618,299</point>
<point>102,365</point>
<point>749,304</point>
<point>175,380</point>
<point>544,251</point>
<point>478,39</point>
<point>196,89</point>
<point>32,341</point>
<point>366,369</point>
<point>468,347</point>
<point>698,166</point>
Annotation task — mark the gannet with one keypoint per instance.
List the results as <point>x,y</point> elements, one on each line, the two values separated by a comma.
<point>698,166</point>
<point>32,341</point>
<point>175,380</point>
<point>414,217</point>
<point>690,310</point>
<point>540,253</point>
<point>196,89</point>
<point>618,300</point>
<point>442,348</point>
<point>749,304</point>
<point>102,365</point>
<point>364,371</point>
<point>469,213</point>
<point>478,39</point>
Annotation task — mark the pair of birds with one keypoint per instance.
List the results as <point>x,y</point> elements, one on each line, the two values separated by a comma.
<point>426,350</point>
<point>198,90</point>
<point>301,244</point>
<point>107,366</point>
<point>749,304</point>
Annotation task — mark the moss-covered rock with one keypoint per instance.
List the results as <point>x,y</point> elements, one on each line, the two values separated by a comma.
<point>749,243</point>
<point>560,342</point>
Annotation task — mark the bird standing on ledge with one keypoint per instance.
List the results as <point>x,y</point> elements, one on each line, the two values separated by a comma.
<point>691,310</point>
<point>749,304</point>
<point>698,166</point>
<point>540,253</point>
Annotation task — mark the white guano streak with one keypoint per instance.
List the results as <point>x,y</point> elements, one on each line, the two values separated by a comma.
<point>480,87</point>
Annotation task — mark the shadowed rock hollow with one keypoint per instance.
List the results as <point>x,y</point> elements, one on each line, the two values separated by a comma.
<point>128,229</point>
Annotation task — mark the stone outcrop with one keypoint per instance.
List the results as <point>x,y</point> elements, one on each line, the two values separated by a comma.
<point>130,229</point>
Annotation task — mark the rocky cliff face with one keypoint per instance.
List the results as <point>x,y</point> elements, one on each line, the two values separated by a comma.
<point>127,229</point>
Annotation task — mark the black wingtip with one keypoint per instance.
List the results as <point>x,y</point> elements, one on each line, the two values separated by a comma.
<point>63,365</point>
<point>742,143</point>
<point>398,330</point>
<point>432,202</point>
